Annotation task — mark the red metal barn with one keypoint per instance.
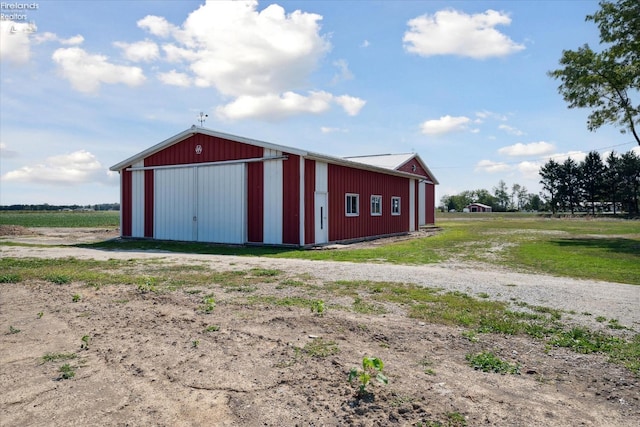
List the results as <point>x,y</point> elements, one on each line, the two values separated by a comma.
<point>202,185</point>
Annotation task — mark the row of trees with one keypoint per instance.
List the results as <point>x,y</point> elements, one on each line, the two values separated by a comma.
<point>48,207</point>
<point>504,198</point>
<point>593,183</point>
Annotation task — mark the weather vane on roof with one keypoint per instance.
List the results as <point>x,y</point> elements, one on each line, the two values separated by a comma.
<point>202,118</point>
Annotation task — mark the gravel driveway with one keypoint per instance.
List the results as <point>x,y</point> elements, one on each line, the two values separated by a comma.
<point>586,299</point>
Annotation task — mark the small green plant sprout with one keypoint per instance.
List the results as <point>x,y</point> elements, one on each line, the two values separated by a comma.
<point>489,362</point>
<point>76,297</point>
<point>86,339</point>
<point>149,285</point>
<point>208,304</point>
<point>13,330</point>
<point>212,328</point>
<point>66,372</point>
<point>195,343</point>
<point>370,366</point>
<point>40,314</point>
<point>318,307</point>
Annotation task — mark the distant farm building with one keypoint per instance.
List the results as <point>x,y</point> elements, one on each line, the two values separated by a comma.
<point>207,186</point>
<point>478,207</point>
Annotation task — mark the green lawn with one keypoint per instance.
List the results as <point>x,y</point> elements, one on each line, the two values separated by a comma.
<point>601,249</point>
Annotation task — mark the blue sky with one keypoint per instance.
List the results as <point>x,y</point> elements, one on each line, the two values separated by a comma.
<point>86,84</point>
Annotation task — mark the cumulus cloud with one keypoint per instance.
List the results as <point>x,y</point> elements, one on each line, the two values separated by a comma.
<point>491,166</point>
<point>174,78</point>
<point>156,25</point>
<point>578,156</point>
<point>52,37</point>
<point>532,149</point>
<point>79,167</point>
<point>444,124</point>
<point>86,72</point>
<point>142,51</point>
<point>260,59</point>
<point>343,71</point>
<point>275,106</point>
<point>15,42</point>
<point>450,32</point>
<point>325,129</point>
<point>529,170</point>
<point>511,130</point>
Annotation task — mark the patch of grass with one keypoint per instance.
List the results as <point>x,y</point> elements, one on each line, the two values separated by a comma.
<point>66,372</point>
<point>10,278</point>
<point>212,328</point>
<point>361,306</point>
<point>208,304</point>
<point>76,297</point>
<point>54,357</point>
<point>60,219</point>
<point>319,347</point>
<point>489,362</point>
<point>264,272</point>
<point>13,330</point>
<point>58,279</point>
<point>582,340</point>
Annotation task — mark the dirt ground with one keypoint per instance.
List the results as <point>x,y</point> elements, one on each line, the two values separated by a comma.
<point>152,358</point>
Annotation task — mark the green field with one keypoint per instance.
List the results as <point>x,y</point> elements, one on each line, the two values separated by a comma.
<point>601,249</point>
<point>60,218</point>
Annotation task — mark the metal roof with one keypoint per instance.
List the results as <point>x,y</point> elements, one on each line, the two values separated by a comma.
<point>355,162</point>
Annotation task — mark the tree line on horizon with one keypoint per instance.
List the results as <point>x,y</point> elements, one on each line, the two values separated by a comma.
<point>48,207</point>
<point>593,184</point>
<point>503,199</point>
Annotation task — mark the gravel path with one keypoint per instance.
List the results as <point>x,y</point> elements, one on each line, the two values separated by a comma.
<point>611,300</point>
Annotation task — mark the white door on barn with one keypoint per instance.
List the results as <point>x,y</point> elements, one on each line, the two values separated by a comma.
<point>221,204</point>
<point>321,218</point>
<point>174,196</point>
<point>206,204</point>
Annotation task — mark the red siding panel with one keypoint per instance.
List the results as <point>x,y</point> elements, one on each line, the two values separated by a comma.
<point>291,200</point>
<point>309,201</point>
<point>409,167</point>
<point>255,202</point>
<point>213,150</point>
<point>148,203</point>
<point>126,208</point>
<point>344,180</point>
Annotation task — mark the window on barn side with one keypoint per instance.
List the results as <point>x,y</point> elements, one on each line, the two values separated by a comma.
<point>376,205</point>
<point>395,206</point>
<point>352,203</point>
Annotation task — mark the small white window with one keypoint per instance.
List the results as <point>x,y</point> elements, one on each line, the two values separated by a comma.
<point>352,202</point>
<point>395,206</point>
<point>376,205</point>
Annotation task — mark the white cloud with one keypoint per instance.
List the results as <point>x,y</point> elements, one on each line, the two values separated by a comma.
<point>483,115</point>
<point>79,167</point>
<point>532,149</point>
<point>325,129</point>
<point>174,53</point>
<point>40,38</point>
<point>350,104</point>
<point>156,25</point>
<point>142,51</point>
<point>511,130</point>
<point>6,152</point>
<point>450,32</point>
<point>492,167</point>
<point>15,45</point>
<point>444,124</point>
<point>578,156</point>
<point>175,78</point>
<point>86,72</point>
<point>343,71</point>
<point>275,106</point>
<point>365,44</point>
<point>529,170</point>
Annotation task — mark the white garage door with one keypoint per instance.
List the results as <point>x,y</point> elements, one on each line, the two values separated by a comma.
<point>206,204</point>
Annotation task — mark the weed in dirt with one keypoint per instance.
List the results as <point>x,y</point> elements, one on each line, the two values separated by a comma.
<point>471,336</point>
<point>290,282</point>
<point>601,319</point>
<point>148,285</point>
<point>483,295</point>
<point>66,372</point>
<point>615,324</point>
<point>370,366</point>
<point>208,304</point>
<point>318,347</point>
<point>10,278</point>
<point>264,272</point>
<point>489,362</point>
<point>76,297</point>
<point>39,315</point>
<point>241,288</point>
<point>318,307</point>
<point>212,328</point>
<point>54,357</point>
<point>426,363</point>
<point>58,279</point>
<point>456,419</point>
<point>13,330</point>
<point>86,339</point>
<point>195,343</point>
